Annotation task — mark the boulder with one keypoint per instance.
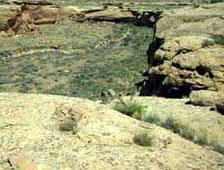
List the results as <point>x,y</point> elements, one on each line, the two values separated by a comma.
<point>206,98</point>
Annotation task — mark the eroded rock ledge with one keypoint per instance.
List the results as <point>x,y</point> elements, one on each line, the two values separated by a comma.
<point>187,53</point>
<point>27,16</point>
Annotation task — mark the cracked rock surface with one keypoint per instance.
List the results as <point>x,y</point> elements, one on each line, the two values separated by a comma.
<point>30,138</point>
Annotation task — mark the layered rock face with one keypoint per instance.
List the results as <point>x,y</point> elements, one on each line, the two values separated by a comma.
<point>187,53</point>
<point>32,14</point>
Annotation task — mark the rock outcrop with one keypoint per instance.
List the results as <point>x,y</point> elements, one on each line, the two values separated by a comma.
<point>35,13</point>
<point>41,132</point>
<point>187,53</point>
<point>28,16</point>
<point>117,15</point>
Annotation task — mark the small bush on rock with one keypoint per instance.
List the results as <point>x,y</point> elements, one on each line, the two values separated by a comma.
<point>219,41</point>
<point>143,139</point>
<point>131,108</point>
<point>68,125</point>
<point>217,146</point>
<point>216,1</point>
<point>183,129</point>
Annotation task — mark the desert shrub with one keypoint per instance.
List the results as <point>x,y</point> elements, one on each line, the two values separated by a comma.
<point>200,137</point>
<point>6,81</point>
<point>24,88</point>
<point>217,146</point>
<point>5,53</point>
<point>183,129</point>
<point>143,138</point>
<point>216,1</point>
<point>216,40</point>
<point>174,125</point>
<point>168,121</point>
<point>219,41</point>
<point>196,5</point>
<point>155,116</point>
<point>131,108</point>
<point>208,43</point>
<point>68,126</point>
<point>2,26</point>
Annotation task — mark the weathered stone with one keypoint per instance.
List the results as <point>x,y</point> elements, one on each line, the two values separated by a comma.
<point>206,98</point>
<point>31,139</point>
<point>192,55</point>
<point>22,162</point>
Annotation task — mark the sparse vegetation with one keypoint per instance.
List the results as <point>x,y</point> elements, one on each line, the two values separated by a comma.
<point>199,136</point>
<point>5,53</point>
<point>110,56</point>
<point>208,43</point>
<point>143,138</point>
<point>184,130</point>
<point>67,125</point>
<point>131,108</point>
<point>217,146</point>
<point>219,41</point>
<point>168,121</point>
<point>156,117</point>
<point>216,1</point>
<point>216,40</point>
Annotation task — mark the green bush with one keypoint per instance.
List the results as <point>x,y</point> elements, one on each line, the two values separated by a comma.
<point>216,40</point>
<point>2,25</point>
<point>131,108</point>
<point>68,125</point>
<point>153,119</point>
<point>6,81</point>
<point>209,43</point>
<point>216,1</point>
<point>5,53</point>
<point>199,136</point>
<point>217,146</point>
<point>183,129</point>
<point>143,139</point>
<point>155,116</point>
<point>174,125</point>
<point>219,41</point>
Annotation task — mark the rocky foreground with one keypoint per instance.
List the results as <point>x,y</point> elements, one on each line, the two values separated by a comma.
<point>34,136</point>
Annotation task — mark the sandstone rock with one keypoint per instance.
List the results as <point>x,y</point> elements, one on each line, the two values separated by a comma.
<point>68,11</point>
<point>115,15</point>
<point>195,117</point>
<point>206,98</point>
<point>191,56</point>
<point>206,20</point>
<point>30,138</point>
<point>22,162</point>
<point>26,19</point>
<point>32,14</point>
